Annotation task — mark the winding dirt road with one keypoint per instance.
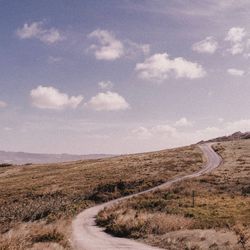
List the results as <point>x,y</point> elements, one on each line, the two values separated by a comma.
<point>87,236</point>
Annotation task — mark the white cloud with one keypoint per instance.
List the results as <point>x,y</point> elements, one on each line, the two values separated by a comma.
<point>132,48</point>
<point>142,133</point>
<point>235,72</point>
<point>157,131</point>
<point>209,45</point>
<point>248,43</point>
<point>246,55</point>
<point>105,85</point>
<point>159,67</point>
<point>164,129</point>
<point>210,93</point>
<point>145,48</point>
<point>236,49</point>
<point>37,30</point>
<point>183,122</point>
<point>109,101</point>
<point>154,137</point>
<point>226,128</point>
<point>235,34</point>
<point>51,98</point>
<point>242,125</point>
<point>3,104</point>
<point>8,129</point>
<point>109,48</point>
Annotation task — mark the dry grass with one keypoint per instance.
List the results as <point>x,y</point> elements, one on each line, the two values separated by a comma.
<point>37,235</point>
<point>221,202</point>
<point>49,194</point>
<point>127,222</point>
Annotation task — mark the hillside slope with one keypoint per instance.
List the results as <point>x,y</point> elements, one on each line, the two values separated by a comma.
<point>37,202</point>
<point>219,218</point>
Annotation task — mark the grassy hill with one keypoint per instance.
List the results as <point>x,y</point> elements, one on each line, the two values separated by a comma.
<point>38,202</point>
<point>219,218</point>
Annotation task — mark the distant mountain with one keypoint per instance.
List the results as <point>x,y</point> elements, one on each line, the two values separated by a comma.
<point>24,158</point>
<point>235,136</point>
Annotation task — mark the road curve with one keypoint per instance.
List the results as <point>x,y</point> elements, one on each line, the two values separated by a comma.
<point>87,236</point>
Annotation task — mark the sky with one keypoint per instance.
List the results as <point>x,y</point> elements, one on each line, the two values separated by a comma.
<point>125,76</point>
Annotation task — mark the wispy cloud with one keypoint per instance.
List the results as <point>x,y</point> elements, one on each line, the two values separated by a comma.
<point>54,59</point>
<point>36,30</point>
<point>105,85</point>
<point>194,8</point>
<point>156,135</point>
<point>154,131</point>
<point>209,45</point>
<point>184,122</point>
<point>132,49</point>
<point>235,72</point>
<point>110,48</point>
<point>3,104</point>
<point>171,129</point>
<point>141,132</point>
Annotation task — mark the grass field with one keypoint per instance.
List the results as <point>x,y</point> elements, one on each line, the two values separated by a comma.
<point>219,219</point>
<point>38,202</point>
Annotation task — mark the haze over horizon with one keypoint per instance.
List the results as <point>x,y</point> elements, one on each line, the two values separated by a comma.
<point>88,77</point>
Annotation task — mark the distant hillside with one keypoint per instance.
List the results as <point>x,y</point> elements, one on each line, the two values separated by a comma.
<point>24,158</point>
<point>235,136</point>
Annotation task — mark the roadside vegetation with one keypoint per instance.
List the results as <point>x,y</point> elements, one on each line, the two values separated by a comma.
<point>38,202</point>
<point>218,217</point>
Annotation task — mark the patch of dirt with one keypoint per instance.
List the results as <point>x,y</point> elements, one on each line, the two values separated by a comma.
<point>10,171</point>
<point>43,246</point>
<point>197,239</point>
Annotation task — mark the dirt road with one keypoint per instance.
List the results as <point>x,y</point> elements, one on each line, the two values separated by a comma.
<point>87,236</point>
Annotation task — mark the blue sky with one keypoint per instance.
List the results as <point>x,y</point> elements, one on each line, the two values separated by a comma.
<point>122,76</point>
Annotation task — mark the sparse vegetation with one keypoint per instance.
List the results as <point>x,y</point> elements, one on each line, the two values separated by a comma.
<point>46,195</point>
<point>39,235</point>
<point>4,165</point>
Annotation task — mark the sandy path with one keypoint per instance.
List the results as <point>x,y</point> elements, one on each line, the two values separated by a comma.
<point>87,236</point>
